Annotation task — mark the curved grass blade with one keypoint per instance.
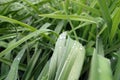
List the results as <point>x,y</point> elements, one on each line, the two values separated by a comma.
<point>3,18</point>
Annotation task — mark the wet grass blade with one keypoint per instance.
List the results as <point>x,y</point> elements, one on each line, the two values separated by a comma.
<point>67,60</point>
<point>55,60</point>
<point>16,44</point>
<point>73,64</point>
<point>100,68</point>
<point>13,73</point>
<point>3,18</point>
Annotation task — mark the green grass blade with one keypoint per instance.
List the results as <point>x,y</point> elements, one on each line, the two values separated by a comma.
<point>66,62</point>
<point>69,43</point>
<point>77,66</point>
<point>55,60</point>
<point>44,74</point>
<point>12,75</point>
<point>100,49</point>
<point>35,33</point>
<point>117,70</point>
<point>94,65</point>
<point>71,17</point>
<point>7,36</point>
<point>104,69</point>
<point>4,67</point>
<point>28,73</point>
<point>32,6</point>
<point>3,44</point>
<point>92,10</point>
<point>105,12</point>
<point>9,62</point>
<point>100,68</point>
<point>3,18</point>
<point>116,22</point>
<point>73,63</point>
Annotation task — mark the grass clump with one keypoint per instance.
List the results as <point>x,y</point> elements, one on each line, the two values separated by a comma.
<point>59,39</point>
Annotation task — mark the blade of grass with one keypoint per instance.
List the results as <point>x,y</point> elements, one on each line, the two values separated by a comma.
<point>73,63</point>
<point>100,68</point>
<point>12,75</point>
<point>35,33</point>
<point>28,73</point>
<point>94,65</point>
<point>3,18</point>
<point>116,22</point>
<point>44,74</point>
<point>79,26</point>
<point>105,12</point>
<point>66,5</point>
<point>117,70</point>
<point>3,44</point>
<point>71,17</point>
<point>4,67</point>
<point>92,10</point>
<point>9,62</point>
<point>59,48</point>
<point>104,69</point>
<point>32,6</point>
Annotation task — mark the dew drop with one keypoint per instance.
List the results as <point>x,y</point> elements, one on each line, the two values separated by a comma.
<point>18,59</point>
<point>113,58</point>
<point>62,36</point>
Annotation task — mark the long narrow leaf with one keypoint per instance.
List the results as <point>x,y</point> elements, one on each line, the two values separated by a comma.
<point>12,75</point>
<point>36,33</point>
<point>3,18</point>
<point>71,17</point>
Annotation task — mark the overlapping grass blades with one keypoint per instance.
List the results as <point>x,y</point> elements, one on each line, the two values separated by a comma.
<point>116,22</point>
<point>66,62</point>
<point>105,12</point>
<point>16,44</point>
<point>25,26</point>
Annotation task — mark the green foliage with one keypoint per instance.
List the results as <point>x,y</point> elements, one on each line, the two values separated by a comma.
<point>59,39</point>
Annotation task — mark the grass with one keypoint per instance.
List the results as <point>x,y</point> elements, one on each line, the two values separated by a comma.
<point>59,40</point>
